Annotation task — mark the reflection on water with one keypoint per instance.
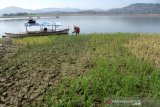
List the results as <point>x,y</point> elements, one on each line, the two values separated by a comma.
<point>92,24</point>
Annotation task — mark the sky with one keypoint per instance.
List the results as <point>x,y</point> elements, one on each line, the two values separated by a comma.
<point>81,4</point>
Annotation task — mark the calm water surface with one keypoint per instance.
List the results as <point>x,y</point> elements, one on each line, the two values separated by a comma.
<point>91,24</point>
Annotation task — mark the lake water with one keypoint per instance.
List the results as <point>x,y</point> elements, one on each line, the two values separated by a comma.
<point>91,24</point>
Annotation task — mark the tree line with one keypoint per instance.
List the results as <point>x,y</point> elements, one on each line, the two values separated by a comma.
<point>18,14</point>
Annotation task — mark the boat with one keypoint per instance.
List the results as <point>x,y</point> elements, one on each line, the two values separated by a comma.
<point>57,17</point>
<point>31,20</point>
<point>44,31</point>
<point>37,33</point>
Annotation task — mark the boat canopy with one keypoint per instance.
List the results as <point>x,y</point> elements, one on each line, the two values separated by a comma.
<point>56,24</point>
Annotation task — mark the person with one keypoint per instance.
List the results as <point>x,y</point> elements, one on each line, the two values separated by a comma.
<point>45,29</point>
<point>31,21</point>
<point>76,30</point>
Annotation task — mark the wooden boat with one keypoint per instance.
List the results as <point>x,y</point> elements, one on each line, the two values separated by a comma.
<point>42,32</point>
<point>37,33</point>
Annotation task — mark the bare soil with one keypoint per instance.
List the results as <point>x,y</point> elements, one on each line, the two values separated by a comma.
<point>26,75</point>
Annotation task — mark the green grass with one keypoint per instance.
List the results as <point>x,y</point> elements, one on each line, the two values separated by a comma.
<point>35,40</point>
<point>92,67</point>
<point>116,73</point>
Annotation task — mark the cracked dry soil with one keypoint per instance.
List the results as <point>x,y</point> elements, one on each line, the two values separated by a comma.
<point>27,73</point>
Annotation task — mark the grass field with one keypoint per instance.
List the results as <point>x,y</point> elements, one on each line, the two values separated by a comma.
<point>71,71</point>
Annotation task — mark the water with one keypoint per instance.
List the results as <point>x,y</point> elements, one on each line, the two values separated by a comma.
<point>91,24</point>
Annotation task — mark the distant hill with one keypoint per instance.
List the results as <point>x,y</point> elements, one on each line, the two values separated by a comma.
<point>138,8</point>
<point>56,10</point>
<point>14,9</point>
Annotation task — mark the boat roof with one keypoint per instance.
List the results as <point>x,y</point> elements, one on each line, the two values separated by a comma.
<point>43,24</point>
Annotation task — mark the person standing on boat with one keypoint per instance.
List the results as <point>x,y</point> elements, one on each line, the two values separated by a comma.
<point>76,30</point>
<point>45,29</point>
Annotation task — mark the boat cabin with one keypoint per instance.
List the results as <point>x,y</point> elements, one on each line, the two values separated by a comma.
<point>43,26</point>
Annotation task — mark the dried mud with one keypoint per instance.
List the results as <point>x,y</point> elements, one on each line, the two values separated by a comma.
<point>27,73</point>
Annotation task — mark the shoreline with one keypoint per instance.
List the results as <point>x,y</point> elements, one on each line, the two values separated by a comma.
<point>140,33</point>
<point>76,14</point>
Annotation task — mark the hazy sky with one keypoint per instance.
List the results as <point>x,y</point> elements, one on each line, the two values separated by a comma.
<point>82,4</point>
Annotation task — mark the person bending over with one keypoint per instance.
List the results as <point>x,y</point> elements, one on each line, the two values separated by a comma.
<point>76,30</point>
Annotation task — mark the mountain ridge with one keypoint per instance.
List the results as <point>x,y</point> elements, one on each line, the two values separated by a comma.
<point>15,9</point>
<point>137,8</point>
